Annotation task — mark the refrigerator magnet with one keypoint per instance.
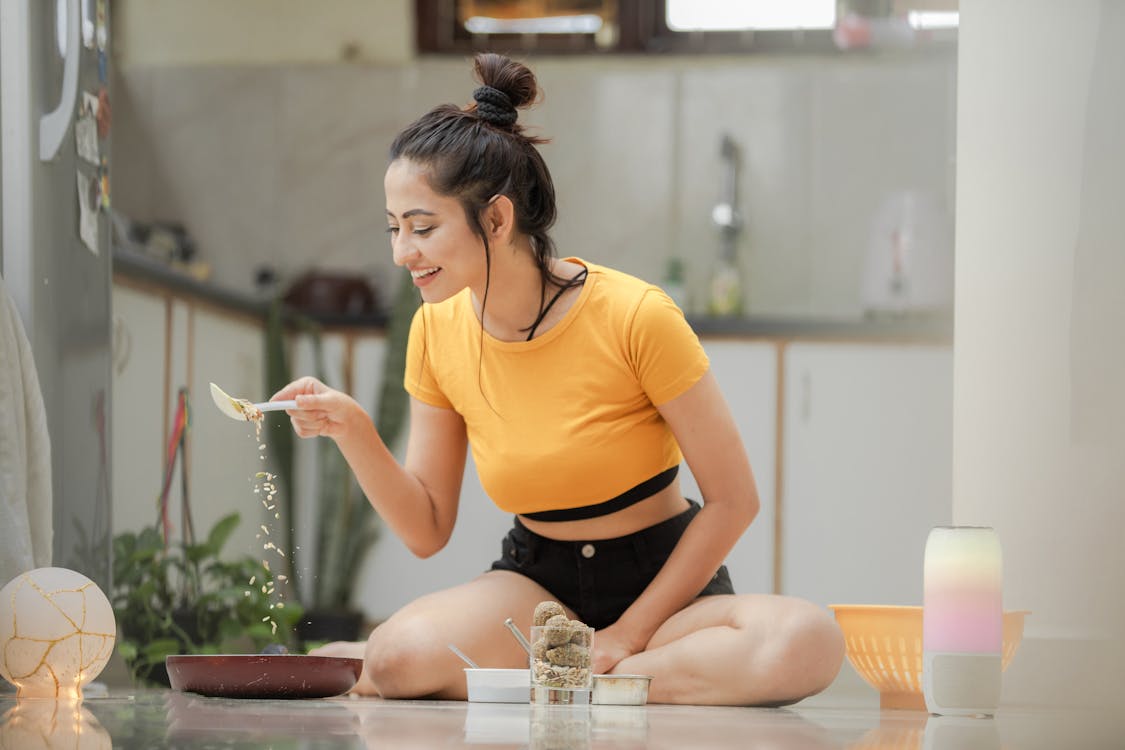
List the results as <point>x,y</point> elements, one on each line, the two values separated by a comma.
<point>86,129</point>
<point>101,28</point>
<point>88,211</point>
<point>103,184</point>
<point>104,115</point>
<point>88,24</point>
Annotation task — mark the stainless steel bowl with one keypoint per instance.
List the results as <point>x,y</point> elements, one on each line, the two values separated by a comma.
<point>620,689</point>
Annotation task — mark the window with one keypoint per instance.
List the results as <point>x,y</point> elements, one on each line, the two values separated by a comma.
<point>662,26</point>
<point>518,25</point>
<point>721,15</point>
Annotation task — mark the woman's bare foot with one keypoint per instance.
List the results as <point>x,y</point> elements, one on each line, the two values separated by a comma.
<point>349,650</point>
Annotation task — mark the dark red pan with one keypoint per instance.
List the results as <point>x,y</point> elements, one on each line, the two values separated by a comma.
<point>263,675</point>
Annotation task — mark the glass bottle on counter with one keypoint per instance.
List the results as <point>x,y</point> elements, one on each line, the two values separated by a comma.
<point>725,293</point>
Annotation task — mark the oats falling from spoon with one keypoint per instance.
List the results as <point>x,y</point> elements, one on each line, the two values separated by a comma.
<point>244,411</point>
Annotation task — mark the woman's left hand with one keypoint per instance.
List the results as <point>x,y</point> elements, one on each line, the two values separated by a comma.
<point>611,646</point>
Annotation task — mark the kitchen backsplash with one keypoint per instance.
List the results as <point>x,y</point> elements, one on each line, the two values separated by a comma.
<point>284,165</point>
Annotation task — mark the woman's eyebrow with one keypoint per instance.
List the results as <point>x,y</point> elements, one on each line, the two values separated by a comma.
<point>413,212</point>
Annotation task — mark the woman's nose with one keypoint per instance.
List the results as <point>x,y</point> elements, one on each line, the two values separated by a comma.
<point>402,251</point>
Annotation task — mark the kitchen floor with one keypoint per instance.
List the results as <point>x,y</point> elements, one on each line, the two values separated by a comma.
<point>158,719</point>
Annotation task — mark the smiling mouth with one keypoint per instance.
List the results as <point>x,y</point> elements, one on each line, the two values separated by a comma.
<point>424,273</point>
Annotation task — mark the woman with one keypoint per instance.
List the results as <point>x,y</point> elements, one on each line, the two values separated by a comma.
<point>579,389</point>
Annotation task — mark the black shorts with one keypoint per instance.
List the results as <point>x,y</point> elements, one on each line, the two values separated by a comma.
<point>600,578</point>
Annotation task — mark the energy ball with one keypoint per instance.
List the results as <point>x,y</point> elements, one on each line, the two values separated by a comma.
<point>544,611</point>
<point>569,655</point>
<point>558,630</point>
<point>579,635</point>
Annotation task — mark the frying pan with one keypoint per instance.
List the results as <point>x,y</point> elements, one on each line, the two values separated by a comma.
<point>262,675</point>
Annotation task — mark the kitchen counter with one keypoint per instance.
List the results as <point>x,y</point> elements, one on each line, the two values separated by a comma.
<point>135,265</point>
<point>167,719</point>
<point>152,273</point>
<point>933,329</point>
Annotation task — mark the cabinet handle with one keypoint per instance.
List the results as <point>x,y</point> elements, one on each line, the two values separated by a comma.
<point>122,344</point>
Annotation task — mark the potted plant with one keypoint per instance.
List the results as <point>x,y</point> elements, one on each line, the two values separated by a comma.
<point>347,526</point>
<point>183,598</point>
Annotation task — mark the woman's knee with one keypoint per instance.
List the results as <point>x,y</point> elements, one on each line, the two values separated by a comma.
<point>401,654</point>
<point>811,646</point>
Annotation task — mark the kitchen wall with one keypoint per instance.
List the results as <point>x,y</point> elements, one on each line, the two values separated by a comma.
<point>283,164</point>
<point>1039,373</point>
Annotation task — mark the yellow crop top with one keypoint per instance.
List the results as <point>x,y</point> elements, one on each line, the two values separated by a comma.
<point>568,419</point>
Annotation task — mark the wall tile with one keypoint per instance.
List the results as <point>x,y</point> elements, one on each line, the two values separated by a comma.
<point>877,126</point>
<point>764,109</point>
<point>284,165</point>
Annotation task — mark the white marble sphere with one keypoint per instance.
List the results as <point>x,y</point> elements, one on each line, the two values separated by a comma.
<point>57,632</point>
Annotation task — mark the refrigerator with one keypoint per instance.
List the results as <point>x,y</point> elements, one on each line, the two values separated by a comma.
<point>56,249</point>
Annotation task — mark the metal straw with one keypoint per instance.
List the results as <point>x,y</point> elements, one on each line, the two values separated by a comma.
<point>464,658</point>
<point>519,636</point>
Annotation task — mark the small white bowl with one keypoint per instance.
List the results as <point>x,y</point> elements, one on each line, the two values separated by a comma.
<point>498,685</point>
<point>621,689</point>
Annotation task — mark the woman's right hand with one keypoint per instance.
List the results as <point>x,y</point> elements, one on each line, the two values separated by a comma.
<point>321,411</point>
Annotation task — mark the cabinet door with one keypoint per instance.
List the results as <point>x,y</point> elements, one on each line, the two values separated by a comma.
<point>138,400</point>
<point>225,454</point>
<point>868,469</point>
<point>747,375</point>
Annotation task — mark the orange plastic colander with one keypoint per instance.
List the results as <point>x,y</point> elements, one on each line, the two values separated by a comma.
<point>884,644</point>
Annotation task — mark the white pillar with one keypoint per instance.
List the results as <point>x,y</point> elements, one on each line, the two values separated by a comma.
<point>1039,352</point>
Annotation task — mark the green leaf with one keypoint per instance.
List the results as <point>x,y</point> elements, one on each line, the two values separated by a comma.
<point>260,631</point>
<point>221,532</point>
<point>158,649</point>
<point>197,553</point>
<point>390,414</point>
<point>127,649</point>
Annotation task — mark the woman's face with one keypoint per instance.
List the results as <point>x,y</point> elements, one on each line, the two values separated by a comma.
<point>430,235</point>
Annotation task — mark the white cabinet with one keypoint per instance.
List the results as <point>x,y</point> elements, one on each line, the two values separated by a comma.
<point>747,375</point>
<point>227,350</point>
<point>136,455</point>
<point>867,468</point>
<point>163,342</point>
<point>862,460</point>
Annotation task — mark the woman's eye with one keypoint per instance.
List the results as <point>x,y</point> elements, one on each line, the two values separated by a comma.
<point>423,230</point>
<point>392,230</point>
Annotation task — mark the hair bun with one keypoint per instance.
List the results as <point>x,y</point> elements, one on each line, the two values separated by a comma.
<point>494,106</point>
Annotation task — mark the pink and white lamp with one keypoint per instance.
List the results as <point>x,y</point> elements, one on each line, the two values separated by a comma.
<point>962,621</point>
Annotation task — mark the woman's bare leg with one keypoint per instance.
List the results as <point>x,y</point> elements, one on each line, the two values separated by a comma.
<point>751,649</point>
<point>408,655</point>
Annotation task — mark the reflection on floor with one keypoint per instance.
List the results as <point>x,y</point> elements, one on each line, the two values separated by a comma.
<point>156,719</point>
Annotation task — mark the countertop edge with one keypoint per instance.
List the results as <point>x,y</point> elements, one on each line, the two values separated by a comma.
<point>935,328</point>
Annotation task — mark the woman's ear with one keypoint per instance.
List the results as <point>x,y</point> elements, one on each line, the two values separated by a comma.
<point>499,219</point>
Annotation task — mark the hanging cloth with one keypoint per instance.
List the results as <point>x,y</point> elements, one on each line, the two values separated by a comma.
<point>26,529</point>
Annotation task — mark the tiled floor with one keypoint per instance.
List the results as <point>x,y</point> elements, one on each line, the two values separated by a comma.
<point>157,719</point>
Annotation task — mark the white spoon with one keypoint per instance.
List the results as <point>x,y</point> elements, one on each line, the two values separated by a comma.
<point>243,410</point>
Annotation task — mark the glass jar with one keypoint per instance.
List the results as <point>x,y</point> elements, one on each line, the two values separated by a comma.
<point>560,663</point>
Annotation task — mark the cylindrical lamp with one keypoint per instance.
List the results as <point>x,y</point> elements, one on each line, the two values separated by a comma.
<point>962,621</point>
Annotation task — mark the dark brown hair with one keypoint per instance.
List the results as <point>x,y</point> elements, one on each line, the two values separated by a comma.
<point>480,151</point>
